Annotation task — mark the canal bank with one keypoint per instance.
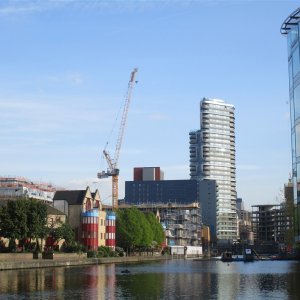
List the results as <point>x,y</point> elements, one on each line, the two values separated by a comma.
<point>12,261</point>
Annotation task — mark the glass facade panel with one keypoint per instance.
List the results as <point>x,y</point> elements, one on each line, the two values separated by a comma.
<point>291,73</point>
<point>296,222</point>
<point>298,182</point>
<point>297,129</point>
<point>296,101</point>
<point>293,145</point>
<point>292,109</point>
<point>296,61</point>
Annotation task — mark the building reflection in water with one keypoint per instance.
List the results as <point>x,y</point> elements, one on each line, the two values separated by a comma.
<point>95,282</point>
<point>228,281</point>
<point>293,286</point>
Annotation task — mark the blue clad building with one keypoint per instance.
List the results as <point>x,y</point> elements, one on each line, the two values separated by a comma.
<point>162,191</point>
<point>291,28</point>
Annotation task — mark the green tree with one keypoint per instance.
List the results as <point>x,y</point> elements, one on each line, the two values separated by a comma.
<point>156,227</point>
<point>147,233</point>
<point>64,231</point>
<point>23,218</point>
<point>132,230</point>
<point>37,220</point>
<point>13,221</point>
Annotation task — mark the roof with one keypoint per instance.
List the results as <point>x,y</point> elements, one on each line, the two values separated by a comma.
<point>72,197</point>
<point>290,21</point>
<point>53,211</point>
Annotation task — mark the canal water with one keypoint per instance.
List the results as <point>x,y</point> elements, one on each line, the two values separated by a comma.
<point>173,279</point>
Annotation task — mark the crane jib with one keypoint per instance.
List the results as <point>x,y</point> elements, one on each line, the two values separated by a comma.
<point>112,170</point>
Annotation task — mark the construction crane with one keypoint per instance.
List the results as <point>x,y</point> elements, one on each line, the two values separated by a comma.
<point>112,169</point>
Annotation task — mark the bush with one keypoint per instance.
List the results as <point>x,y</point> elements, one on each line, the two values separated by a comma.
<point>72,248</point>
<point>103,251</point>
<point>3,248</point>
<point>119,251</point>
<point>91,254</point>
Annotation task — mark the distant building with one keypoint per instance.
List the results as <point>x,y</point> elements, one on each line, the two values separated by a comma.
<point>245,233</point>
<point>55,218</point>
<point>245,227</point>
<point>289,192</point>
<point>239,204</point>
<point>207,190</point>
<point>85,216</point>
<point>291,28</point>
<point>17,187</point>
<point>212,157</point>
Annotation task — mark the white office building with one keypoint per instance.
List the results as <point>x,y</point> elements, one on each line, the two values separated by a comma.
<point>212,156</point>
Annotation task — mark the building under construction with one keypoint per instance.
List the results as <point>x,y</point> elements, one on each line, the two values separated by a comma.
<point>269,223</point>
<point>181,222</point>
<point>19,187</point>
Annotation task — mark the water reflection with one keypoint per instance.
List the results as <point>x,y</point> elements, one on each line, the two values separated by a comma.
<point>95,282</point>
<point>293,286</point>
<point>176,279</point>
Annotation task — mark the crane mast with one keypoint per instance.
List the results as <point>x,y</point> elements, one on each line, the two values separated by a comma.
<point>113,170</point>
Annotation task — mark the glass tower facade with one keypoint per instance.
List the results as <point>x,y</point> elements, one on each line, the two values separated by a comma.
<point>291,28</point>
<point>212,156</point>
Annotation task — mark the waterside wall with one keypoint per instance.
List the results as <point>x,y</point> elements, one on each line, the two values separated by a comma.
<point>25,261</point>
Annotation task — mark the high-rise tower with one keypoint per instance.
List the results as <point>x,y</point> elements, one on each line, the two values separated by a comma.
<point>212,156</point>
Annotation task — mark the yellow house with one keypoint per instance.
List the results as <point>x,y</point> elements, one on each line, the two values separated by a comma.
<point>85,215</point>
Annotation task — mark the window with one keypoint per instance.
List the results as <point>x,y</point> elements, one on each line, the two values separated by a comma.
<point>88,204</point>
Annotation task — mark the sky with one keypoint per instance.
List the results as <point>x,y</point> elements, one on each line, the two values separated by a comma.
<point>64,70</point>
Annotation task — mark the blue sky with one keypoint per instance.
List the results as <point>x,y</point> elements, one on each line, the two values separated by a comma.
<point>64,69</point>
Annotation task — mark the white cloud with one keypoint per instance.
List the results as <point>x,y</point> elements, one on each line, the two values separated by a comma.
<point>74,78</point>
<point>34,116</point>
<point>14,7</point>
<point>17,7</point>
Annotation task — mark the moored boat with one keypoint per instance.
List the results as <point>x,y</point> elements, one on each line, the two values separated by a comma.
<point>248,254</point>
<point>226,256</point>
